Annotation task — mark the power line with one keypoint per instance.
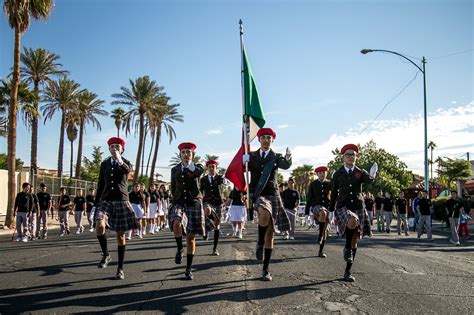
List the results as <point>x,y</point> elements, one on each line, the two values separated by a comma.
<point>453,54</point>
<point>392,99</point>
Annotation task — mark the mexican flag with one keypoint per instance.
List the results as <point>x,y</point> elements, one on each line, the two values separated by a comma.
<point>256,120</point>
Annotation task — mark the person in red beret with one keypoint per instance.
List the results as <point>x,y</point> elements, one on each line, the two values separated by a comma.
<point>317,203</point>
<point>113,210</point>
<point>347,203</point>
<point>186,213</point>
<point>263,165</point>
<point>212,201</point>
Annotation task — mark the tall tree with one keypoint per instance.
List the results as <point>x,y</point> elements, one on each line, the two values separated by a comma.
<point>176,159</point>
<point>60,95</point>
<point>431,146</point>
<point>72,121</point>
<point>164,117</point>
<point>92,166</point>
<point>118,115</point>
<point>26,102</point>
<point>303,176</point>
<point>88,107</point>
<point>140,98</point>
<point>18,12</point>
<point>38,67</point>
<point>455,169</point>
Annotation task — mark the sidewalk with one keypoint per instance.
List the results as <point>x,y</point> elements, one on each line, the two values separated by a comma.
<point>52,224</point>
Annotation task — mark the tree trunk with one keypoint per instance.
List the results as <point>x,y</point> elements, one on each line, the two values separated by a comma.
<point>61,144</point>
<point>79,150</point>
<point>149,155</point>
<point>12,113</point>
<point>155,155</point>
<point>34,138</point>
<point>71,166</point>
<point>140,147</point>
<point>143,153</point>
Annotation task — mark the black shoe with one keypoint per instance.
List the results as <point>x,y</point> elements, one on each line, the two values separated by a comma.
<point>104,262</point>
<point>215,252</point>
<point>188,274</point>
<point>266,276</point>
<point>348,277</point>
<point>206,237</point>
<point>68,232</point>
<point>120,275</point>
<point>319,240</point>
<point>178,259</point>
<point>347,253</point>
<point>259,252</point>
<point>322,255</point>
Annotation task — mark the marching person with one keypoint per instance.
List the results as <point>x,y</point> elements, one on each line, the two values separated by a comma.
<point>90,198</point>
<point>452,212</point>
<point>263,165</point>
<point>33,218</point>
<point>424,208</point>
<point>212,201</point>
<point>378,211</point>
<point>186,214</point>
<point>369,206</point>
<point>346,201</point>
<point>164,201</point>
<point>291,200</point>
<point>402,219</point>
<point>317,202</point>
<point>113,210</point>
<point>22,210</point>
<point>237,212</point>
<point>64,203</point>
<point>45,206</point>
<point>80,208</point>
<point>387,209</point>
<point>146,197</point>
<point>138,204</point>
<point>152,214</point>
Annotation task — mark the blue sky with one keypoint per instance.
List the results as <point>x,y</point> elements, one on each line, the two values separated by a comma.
<point>317,90</point>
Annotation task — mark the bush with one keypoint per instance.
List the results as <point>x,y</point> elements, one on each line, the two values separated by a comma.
<point>439,206</point>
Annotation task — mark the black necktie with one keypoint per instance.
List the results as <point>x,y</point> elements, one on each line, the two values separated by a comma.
<point>350,172</point>
<point>263,154</point>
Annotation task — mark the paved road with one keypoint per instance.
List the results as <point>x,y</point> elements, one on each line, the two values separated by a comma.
<point>395,274</point>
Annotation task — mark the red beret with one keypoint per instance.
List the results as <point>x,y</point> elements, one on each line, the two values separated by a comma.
<point>350,146</point>
<point>187,145</point>
<point>116,140</point>
<point>266,131</point>
<point>212,162</point>
<point>320,169</point>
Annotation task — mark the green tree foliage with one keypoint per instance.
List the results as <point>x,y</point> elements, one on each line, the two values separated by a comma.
<point>4,162</point>
<point>91,168</point>
<point>392,176</point>
<point>303,176</point>
<point>176,159</point>
<point>454,169</point>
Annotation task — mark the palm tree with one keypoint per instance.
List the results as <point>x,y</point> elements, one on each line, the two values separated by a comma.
<point>302,175</point>
<point>208,157</point>
<point>176,159</point>
<point>118,114</point>
<point>38,67</point>
<point>18,12</point>
<point>165,117</point>
<point>88,107</point>
<point>140,98</point>
<point>26,101</point>
<point>431,146</point>
<point>61,96</point>
<point>72,121</point>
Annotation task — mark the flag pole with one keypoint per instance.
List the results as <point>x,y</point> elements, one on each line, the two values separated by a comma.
<point>245,120</point>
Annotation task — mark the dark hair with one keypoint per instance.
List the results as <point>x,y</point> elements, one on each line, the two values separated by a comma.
<point>62,188</point>
<point>454,191</point>
<point>291,180</point>
<point>24,185</point>
<point>42,185</point>
<point>91,189</point>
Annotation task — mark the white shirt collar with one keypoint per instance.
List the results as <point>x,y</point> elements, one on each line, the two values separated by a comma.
<point>347,169</point>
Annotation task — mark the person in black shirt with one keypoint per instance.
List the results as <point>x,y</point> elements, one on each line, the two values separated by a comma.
<point>138,203</point>
<point>291,200</point>
<point>369,206</point>
<point>237,211</point>
<point>90,205</point>
<point>45,206</point>
<point>378,211</point>
<point>113,210</point>
<point>153,209</point>
<point>387,208</point>
<point>64,205</point>
<point>163,206</point>
<point>22,210</point>
<point>424,207</point>
<point>401,207</point>
<point>80,207</point>
<point>452,212</point>
<point>347,203</point>
<point>33,218</point>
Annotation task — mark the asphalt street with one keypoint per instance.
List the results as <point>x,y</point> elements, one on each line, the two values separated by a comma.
<point>394,274</point>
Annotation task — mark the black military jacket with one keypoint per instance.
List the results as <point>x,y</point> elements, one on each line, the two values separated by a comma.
<point>185,185</point>
<point>256,166</point>
<point>113,181</point>
<point>346,189</point>
<point>211,192</point>
<point>318,194</point>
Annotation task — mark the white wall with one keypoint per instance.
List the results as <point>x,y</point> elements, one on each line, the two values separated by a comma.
<point>21,177</point>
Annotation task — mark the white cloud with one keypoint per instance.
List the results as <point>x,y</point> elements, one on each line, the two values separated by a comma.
<point>282,126</point>
<point>451,129</point>
<point>216,131</point>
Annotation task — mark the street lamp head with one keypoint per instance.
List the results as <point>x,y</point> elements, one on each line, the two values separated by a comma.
<point>366,51</point>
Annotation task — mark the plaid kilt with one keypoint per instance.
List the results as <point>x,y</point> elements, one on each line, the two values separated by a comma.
<point>274,205</point>
<point>217,211</point>
<point>315,211</point>
<point>118,215</point>
<point>343,215</point>
<point>191,218</point>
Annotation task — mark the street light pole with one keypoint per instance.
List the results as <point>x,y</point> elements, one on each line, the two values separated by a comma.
<point>425,117</point>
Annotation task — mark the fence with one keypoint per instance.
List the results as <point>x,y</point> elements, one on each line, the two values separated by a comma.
<point>53,184</point>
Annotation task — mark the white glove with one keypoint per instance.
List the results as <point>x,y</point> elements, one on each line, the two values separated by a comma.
<point>288,153</point>
<point>191,166</point>
<point>245,158</point>
<point>117,157</point>
<point>373,170</point>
